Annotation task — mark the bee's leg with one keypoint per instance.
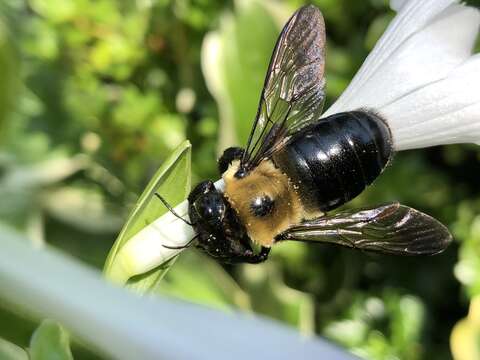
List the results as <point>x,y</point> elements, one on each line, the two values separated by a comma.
<point>229,155</point>
<point>262,255</point>
<point>250,257</point>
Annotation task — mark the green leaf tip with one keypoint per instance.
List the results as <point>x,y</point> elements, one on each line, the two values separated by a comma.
<point>50,342</point>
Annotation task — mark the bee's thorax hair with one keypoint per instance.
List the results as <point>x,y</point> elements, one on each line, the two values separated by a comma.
<point>264,180</point>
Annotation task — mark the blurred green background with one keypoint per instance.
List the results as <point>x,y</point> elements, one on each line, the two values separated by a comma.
<point>95,94</point>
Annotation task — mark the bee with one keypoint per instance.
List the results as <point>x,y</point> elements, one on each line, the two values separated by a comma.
<point>298,166</point>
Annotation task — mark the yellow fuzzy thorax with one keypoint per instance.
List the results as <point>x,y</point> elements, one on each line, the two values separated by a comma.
<point>264,180</point>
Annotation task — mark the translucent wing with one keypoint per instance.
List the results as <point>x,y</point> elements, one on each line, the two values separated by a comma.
<point>293,92</point>
<point>392,229</point>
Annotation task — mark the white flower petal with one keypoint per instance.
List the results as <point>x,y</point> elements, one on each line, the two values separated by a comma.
<point>406,60</point>
<point>123,326</point>
<point>424,58</point>
<point>444,112</point>
<point>413,17</point>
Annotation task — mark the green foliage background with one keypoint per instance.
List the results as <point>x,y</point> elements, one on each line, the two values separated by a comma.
<point>94,95</point>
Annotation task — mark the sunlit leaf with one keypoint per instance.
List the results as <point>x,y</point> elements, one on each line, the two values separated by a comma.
<point>54,10</point>
<point>234,61</point>
<point>82,208</point>
<point>50,342</point>
<point>172,181</point>
<point>467,269</point>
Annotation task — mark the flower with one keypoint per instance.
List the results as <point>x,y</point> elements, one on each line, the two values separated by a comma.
<point>421,77</point>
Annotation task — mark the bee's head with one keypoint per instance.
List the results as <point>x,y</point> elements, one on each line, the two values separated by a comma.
<point>220,233</point>
<point>207,205</point>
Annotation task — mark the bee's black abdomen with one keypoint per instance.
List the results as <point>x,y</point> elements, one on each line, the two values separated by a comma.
<point>333,160</point>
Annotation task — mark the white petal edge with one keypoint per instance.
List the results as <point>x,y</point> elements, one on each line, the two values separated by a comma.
<point>121,325</point>
<point>397,4</point>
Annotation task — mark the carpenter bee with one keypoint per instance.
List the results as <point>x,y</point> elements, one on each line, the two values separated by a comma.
<point>297,166</point>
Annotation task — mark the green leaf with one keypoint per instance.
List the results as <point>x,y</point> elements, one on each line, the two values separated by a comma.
<point>467,270</point>
<point>212,286</point>
<point>172,181</point>
<point>234,61</point>
<point>270,296</point>
<point>10,351</point>
<point>9,83</point>
<point>50,342</point>
<point>83,208</point>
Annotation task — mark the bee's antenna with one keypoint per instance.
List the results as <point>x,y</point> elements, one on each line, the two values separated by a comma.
<point>167,205</point>
<point>183,246</point>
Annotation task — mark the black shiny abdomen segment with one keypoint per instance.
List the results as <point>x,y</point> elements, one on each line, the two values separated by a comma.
<point>333,160</point>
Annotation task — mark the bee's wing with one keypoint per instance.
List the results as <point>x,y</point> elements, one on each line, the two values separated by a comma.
<point>391,228</point>
<point>293,92</point>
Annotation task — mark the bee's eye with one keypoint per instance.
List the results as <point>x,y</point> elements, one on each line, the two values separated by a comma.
<point>262,206</point>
